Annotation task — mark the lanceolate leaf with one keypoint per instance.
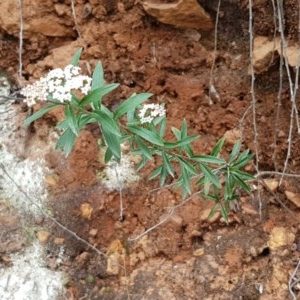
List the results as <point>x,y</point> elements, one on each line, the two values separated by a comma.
<point>242,183</point>
<point>39,114</point>
<point>217,149</point>
<point>235,151</point>
<point>210,175</point>
<point>147,135</point>
<point>71,119</point>
<point>108,124</point>
<point>130,104</point>
<point>113,143</point>
<point>184,141</point>
<point>95,96</point>
<point>208,159</point>
<point>98,77</point>
<point>143,147</point>
<point>66,141</point>
<point>167,164</point>
<point>76,57</point>
<point>155,173</point>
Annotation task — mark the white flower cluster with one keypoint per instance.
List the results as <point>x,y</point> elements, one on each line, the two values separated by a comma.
<point>59,83</point>
<point>151,111</point>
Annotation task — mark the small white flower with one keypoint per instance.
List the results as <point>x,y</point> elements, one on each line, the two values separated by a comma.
<point>59,83</point>
<point>150,111</point>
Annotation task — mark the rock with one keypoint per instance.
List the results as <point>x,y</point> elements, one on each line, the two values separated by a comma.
<point>116,257</point>
<point>183,14</point>
<point>272,184</point>
<point>232,136</point>
<point>59,241</point>
<point>280,237</point>
<point>43,236</point>
<point>93,232</point>
<point>295,198</point>
<point>198,252</point>
<point>265,50</point>
<point>38,17</point>
<point>86,210</point>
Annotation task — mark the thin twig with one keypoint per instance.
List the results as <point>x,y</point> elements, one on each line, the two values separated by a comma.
<point>20,39</point>
<point>253,97</point>
<point>121,218</point>
<point>212,91</point>
<point>166,218</point>
<point>75,19</point>
<point>291,284</point>
<point>53,219</point>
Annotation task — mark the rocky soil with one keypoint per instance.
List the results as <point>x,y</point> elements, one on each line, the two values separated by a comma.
<point>166,48</point>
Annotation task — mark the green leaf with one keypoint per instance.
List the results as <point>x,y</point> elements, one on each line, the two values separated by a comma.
<point>95,96</point>
<point>243,160</point>
<point>155,173</point>
<point>235,151</point>
<point>213,211</point>
<point>113,143</point>
<point>98,77</point>
<point>39,114</point>
<point>84,119</point>
<point>158,120</point>
<point>242,183</point>
<point>162,127</point>
<point>187,166</point>
<point>217,149</point>
<point>142,163</point>
<point>207,185</point>
<point>176,132</point>
<point>76,57</point>
<point>180,143</point>
<point>185,178</point>
<point>243,175</point>
<point>163,175</point>
<point>108,155</point>
<point>183,129</point>
<point>224,213</point>
<point>143,147</point>
<point>210,175</point>
<point>208,159</point>
<point>71,119</point>
<point>229,188</point>
<point>167,164</point>
<point>66,141</point>
<point>149,136</point>
<point>107,122</point>
<point>130,104</point>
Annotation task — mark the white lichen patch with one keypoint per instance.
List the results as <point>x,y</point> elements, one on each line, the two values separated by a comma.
<point>28,278</point>
<point>119,175</point>
<point>21,178</point>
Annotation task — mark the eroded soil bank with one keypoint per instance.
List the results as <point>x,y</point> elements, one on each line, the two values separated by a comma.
<point>190,256</point>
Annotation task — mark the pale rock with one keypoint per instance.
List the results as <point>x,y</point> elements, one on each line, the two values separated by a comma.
<point>86,210</point>
<point>295,198</point>
<point>272,184</point>
<point>265,50</point>
<point>280,237</point>
<point>43,236</point>
<point>36,19</point>
<point>182,14</point>
<point>115,257</point>
<point>93,232</point>
<point>59,241</point>
<point>232,136</point>
<point>198,252</point>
